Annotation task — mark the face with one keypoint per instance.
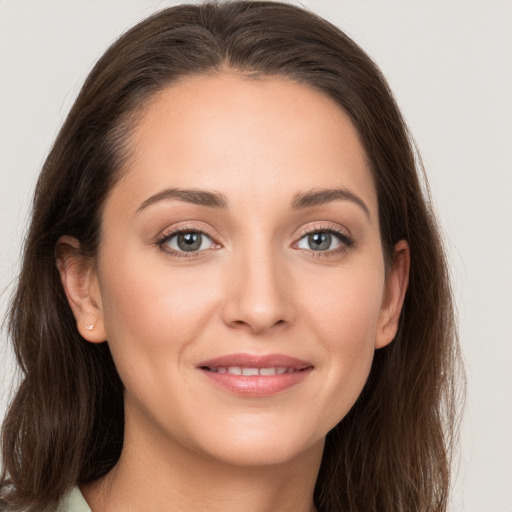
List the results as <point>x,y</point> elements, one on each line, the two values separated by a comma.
<point>240,279</point>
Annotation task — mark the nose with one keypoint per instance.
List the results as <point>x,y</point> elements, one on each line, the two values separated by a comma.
<point>260,296</point>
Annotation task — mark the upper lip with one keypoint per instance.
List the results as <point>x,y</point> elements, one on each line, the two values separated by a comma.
<point>255,361</point>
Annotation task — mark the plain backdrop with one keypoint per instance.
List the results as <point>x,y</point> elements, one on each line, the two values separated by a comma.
<point>449,63</point>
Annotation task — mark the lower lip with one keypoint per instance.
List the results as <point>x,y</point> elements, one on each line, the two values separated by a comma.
<point>256,385</point>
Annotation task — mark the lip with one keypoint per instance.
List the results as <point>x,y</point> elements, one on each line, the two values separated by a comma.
<point>291,371</point>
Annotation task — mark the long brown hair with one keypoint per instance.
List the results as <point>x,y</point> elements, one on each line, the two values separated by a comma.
<point>65,424</point>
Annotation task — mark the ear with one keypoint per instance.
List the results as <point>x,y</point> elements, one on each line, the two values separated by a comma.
<point>80,284</point>
<point>394,294</point>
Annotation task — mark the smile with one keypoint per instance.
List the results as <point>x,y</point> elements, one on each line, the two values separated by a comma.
<point>238,370</point>
<point>252,375</point>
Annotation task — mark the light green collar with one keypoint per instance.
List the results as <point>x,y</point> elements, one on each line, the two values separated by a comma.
<point>73,501</point>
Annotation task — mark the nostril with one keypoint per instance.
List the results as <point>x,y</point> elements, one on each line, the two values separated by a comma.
<point>258,325</point>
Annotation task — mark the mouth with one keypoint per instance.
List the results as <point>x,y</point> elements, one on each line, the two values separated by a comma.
<point>249,372</point>
<point>254,375</point>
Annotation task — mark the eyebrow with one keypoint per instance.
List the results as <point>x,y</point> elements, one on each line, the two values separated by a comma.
<point>212,199</point>
<point>194,196</point>
<point>326,195</point>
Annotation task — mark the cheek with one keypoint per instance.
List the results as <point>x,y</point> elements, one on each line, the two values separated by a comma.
<point>345,317</point>
<point>347,304</point>
<point>152,309</point>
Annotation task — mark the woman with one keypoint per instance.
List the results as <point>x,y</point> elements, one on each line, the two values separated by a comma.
<point>233,293</point>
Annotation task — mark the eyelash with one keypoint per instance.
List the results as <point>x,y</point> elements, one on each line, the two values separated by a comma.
<point>346,241</point>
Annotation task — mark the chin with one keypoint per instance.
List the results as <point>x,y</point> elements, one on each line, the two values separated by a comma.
<point>262,446</point>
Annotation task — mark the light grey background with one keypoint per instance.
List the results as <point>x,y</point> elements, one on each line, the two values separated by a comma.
<point>450,66</point>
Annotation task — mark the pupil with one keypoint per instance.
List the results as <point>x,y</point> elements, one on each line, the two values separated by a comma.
<point>189,241</point>
<point>320,241</point>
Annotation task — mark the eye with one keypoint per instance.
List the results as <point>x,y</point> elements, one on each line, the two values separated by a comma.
<point>187,241</point>
<point>324,240</point>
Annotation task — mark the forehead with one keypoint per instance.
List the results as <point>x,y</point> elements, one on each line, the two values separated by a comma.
<point>240,135</point>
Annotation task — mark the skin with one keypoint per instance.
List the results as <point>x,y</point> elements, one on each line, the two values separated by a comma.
<point>255,286</point>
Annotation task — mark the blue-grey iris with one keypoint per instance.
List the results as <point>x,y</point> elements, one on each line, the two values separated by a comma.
<point>189,241</point>
<point>320,241</point>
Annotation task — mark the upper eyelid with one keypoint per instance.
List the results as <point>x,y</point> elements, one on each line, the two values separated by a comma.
<point>325,227</point>
<point>170,232</point>
<point>303,231</point>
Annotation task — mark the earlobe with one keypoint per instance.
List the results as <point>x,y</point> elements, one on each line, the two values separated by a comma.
<point>394,295</point>
<point>80,284</point>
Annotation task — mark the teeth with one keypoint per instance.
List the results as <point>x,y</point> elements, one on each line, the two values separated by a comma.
<point>268,371</point>
<point>250,371</point>
<point>238,370</point>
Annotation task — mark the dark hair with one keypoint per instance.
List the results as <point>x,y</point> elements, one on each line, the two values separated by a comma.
<point>65,424</point>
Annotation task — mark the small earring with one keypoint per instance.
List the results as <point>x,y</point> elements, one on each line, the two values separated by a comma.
<point>89,327</point>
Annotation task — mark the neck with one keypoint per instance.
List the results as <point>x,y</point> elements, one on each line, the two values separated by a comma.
<point>159,474</point>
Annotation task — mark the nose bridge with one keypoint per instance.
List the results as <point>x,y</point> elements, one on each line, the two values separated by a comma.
<point>258,296</point>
